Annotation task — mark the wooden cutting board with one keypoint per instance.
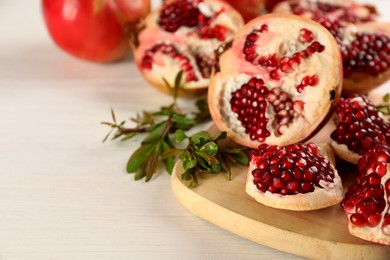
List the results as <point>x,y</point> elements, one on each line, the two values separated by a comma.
<point>318,234</point>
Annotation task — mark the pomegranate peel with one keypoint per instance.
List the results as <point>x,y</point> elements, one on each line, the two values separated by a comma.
<point>183,35</point>
<point>366,202</point>
<point>295,177</point>
<point>284,86</point>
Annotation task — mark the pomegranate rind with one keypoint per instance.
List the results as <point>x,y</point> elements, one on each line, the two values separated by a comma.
<point>185,42</point>
<point>321,99</point>
<point>331,194</point>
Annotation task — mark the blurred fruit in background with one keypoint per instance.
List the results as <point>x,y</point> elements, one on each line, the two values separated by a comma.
<point>94,30</point>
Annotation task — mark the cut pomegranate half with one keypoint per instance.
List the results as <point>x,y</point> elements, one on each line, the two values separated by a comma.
<point>277,83</point>
<point>364,43</point>
<point>183,35</point>
<point>294,177</point>
<point>359,128</point>
<point>366,202</point>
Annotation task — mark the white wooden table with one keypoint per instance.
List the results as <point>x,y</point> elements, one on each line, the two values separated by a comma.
<point>64,194</point>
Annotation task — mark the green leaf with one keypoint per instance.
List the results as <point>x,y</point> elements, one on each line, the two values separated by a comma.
<point>180,135</point>
<point>200,137</point>
<point>241,158</point>
<point>386,98</point>
<point>155,134</point>
<point>140,156</point>
<point>140,173</point>
<point>169,161</point>
<point>151,164</point>
<point>209,148</point>
<point>182,120</point>
<point>171,153</point>
<point>189,161</point>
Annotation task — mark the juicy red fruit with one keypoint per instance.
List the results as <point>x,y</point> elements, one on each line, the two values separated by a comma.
<point>359,125</point>
<point>92,30</point>
<point>366,201</point>
<point>252,99</point>
<point>293,169</point>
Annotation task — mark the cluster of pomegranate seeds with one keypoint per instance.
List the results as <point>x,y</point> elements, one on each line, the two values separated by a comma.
<point>280,65</point>
<point>218,32</point>
<point>171,51</point>
<point>322,9</point>
<point>367,52</point>
<point>307,81</point>
<point>359,125</point>
<point>180,13</point>
<point>186,13</point>
<point>365,200</point>
<point>292,169</point>
<point>250,104</point>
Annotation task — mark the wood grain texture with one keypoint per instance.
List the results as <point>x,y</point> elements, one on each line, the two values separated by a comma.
<point>317,234</point>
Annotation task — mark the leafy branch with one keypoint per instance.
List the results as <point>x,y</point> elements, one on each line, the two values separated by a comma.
<point>201,155</point>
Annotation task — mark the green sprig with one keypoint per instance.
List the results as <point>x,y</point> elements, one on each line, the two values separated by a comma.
<point>166,127</point>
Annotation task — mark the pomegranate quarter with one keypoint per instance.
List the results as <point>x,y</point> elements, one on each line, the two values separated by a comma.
<point>366,202</point>
<point>278,81</point>
<point>294,177</point>
<point>183,35</point>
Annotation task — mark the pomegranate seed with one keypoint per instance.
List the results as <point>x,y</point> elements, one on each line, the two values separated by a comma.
<point>358,220</point>
<point>306,35</point>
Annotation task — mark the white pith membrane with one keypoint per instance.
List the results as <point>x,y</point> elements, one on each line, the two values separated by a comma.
<point>282,38</point>
<point>330,193</point>
<point>377,234</point>
<point>186,42</point>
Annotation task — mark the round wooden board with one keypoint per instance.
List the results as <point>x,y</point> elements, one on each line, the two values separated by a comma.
<point>318,234</point>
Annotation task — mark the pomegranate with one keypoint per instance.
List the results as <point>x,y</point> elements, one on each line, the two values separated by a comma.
<point>285,80</point>
<point>364,43</point>
<point>183,35</point>
<point>94,30</point>
<point>366,202</point>
<point>359,128</point>
<point>249,9</point>
<point>295,177</point>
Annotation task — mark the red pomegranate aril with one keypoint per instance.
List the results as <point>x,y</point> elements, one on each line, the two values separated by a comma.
<point>358,220</point>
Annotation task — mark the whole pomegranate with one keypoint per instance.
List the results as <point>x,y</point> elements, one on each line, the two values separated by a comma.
<point>278,81</point>
<point>294,177</point>
<point>364,43</point>
<point>94,30</point>
<point>182,35</point>
<point>366,202</point>
<point>359,128</point>
<point>249,9</point>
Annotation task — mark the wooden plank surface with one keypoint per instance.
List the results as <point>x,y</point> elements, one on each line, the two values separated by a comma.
<point>317,234</point>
